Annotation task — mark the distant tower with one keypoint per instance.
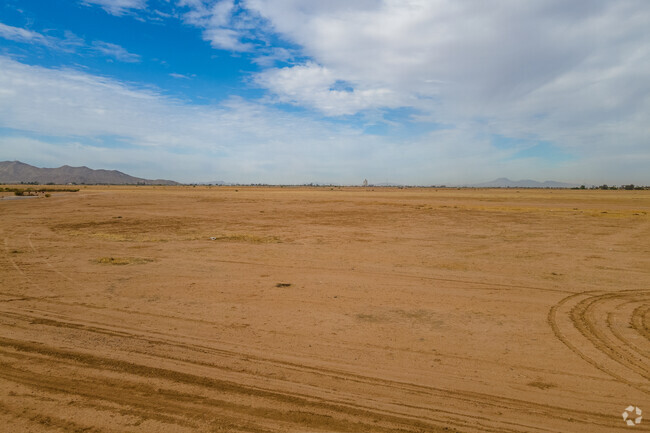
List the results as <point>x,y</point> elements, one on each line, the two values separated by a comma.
<point>365,182</point>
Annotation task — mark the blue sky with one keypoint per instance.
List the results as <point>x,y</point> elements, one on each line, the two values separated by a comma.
<point>288,91</point>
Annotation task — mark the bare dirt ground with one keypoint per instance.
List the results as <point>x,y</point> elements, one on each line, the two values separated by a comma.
<point>324,310</point>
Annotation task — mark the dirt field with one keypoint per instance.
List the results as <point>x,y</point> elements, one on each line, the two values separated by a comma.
<point>324,310</point>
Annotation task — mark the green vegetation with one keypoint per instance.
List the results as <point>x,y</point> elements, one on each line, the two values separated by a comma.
<point>36,191</point>
<point>629,187</point>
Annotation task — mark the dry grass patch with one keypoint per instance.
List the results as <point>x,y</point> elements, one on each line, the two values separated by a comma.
<point>371,317</point>
<point>158,229</point>
<point>119,229</point>
<point>541,385</point>
<point>118,237</point>
<point>122,261</point>
<point>248,238</point>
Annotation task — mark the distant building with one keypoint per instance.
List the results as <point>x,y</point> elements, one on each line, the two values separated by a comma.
<point>365,182</point>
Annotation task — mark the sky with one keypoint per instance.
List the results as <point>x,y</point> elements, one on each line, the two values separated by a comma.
<point>421,92</point>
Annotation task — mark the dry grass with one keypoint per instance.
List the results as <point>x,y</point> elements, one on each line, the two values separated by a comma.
<point>371,317</point>
<point>127,237</point>
<point>122,260</point>
<point>248,238</point>
<point>541,385</point>
<point>159,229</point>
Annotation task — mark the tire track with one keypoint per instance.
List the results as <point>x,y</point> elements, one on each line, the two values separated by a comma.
<point>47,262</point>
<point>585,322</point>
<point>12,261</point>
<point>641,320</point>
<point>482,285</point>
<point>271,405</point>
<point>595,325</point>
<point>153,337</point>
<point>462,399</point>
<point>337,404</point>
<point>633,342</point>
<point>119,361</point>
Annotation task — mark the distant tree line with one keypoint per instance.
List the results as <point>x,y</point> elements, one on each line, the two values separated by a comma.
<point>629,187</point>
<point>36,191</point>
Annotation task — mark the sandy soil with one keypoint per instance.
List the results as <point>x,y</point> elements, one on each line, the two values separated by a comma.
<point>324,310</point>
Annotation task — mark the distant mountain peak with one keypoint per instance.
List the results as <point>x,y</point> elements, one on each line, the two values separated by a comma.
<point>504,182</point>
<point>19,172</point>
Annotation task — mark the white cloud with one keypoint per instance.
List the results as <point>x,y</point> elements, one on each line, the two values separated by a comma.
<point>115,51</point>
<point>236,140</point>
<point>225,39</point>
<point>314,86</point>
<point>181,76</point>
<point>70,43</point>
<point>83,119</point>
<point>223,23</point>
<point>17,34</point>
<point>117,7</point>
<point>274,54</point>
<point>571,73</point>
<point>64,116</point>
<point>23,35</point>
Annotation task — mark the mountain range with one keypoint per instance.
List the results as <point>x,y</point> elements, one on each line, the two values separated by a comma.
<point>504,182</point>
<point>14,172</point>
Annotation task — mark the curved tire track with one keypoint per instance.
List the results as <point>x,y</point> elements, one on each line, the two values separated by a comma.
<point>609,331</point>
<point>305,390</point>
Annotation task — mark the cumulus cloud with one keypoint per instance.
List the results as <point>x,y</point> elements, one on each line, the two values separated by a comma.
<point>97,116</point>
<point>317,87</point>
<point>569,74</point>
<point>67,116</point>
<point>572,73</point>
<point>82,119</point>
<point>224,24</point>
